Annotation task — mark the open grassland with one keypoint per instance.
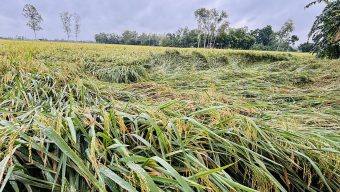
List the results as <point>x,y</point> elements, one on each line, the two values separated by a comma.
<point>90,117</point>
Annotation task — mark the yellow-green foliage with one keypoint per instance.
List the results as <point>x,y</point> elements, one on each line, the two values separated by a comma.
<point>111,62</point>
<point>89,117</point>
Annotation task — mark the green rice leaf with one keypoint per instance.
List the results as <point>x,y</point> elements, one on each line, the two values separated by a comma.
<point>115,178</point>
<point>63,146</point>
<point>173,173</point>
<point>211,171</point>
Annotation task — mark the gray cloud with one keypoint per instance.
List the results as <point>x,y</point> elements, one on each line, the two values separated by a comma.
<point>158,16</point>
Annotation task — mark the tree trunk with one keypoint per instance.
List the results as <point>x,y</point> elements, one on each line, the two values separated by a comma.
<point>278,46</point>
<point>211,40</point>
<point>208,41</point>
<point>205,40</point>
<point>35,35</point>
<point>214,41</point>
<point>198,40</point>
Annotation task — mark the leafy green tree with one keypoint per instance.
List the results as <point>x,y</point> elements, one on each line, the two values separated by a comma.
<point>202,16</point>
<point>170,40</point>
<point>306,47</point>
<point>148,39</point>
<point>114,38</point>
<point>186,37</point>
<point>238,38</point>
<point>209,21</point>
<point>34,18</point>
<point>183,37</point>
<point>144,39</point>
<point>264,36</point>
<point>101,38</point>
<point>154,40</point>
<point>283,35</point>
<point>325,31</point>
<point>130,37</point>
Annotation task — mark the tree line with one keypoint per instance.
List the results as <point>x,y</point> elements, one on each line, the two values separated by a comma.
<point>129,38</point>
<point>213,31</point>
<point>70,22</point>
<point>235,38</point>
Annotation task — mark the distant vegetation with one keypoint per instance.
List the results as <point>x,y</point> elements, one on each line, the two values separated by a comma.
<point>213,31</point>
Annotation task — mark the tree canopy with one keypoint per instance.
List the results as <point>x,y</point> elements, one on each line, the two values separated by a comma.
<point>325,31</point>
<point>34,18</point>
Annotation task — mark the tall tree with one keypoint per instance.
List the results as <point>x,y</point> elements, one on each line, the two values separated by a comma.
<point>217,18</point>
<point>285,32</point>
<point>66,19</point>
<point>34,18</point>
<point>76,18</point>
<point>306,47</point>
<point>130,37</point>
<point>325,31</point>
<point>239,38</point>
<point>264,36</point>
<point>101,38</point>
<point>201,16</point>
<point>209,21</point>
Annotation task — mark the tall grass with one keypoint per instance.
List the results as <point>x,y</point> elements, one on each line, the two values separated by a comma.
<point>117,74</point>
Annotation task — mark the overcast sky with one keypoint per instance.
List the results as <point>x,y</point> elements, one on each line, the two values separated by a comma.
<point>158,16</point>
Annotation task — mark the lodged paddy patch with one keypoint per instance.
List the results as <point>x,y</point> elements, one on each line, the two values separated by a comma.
<point>82,117</point>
